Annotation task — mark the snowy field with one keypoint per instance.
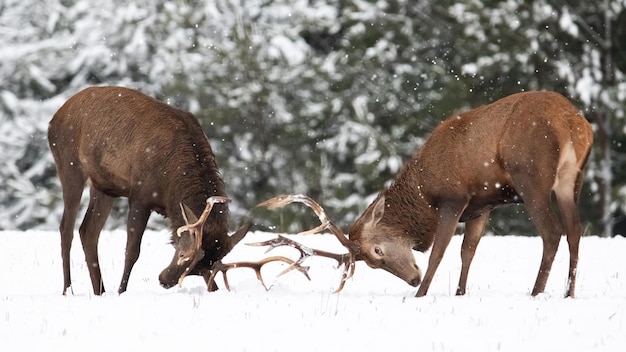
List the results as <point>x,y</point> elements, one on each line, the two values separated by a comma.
<point>374,312</point>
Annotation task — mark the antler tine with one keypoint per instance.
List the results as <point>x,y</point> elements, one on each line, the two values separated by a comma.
<point>195,229</point>
<point>256,266</point>
<point>347,260</point>
<point>284,199</point>
<point>205,213</point>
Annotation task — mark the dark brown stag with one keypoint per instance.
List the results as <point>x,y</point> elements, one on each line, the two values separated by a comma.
<point>521,149</point>
<point>126,144</point>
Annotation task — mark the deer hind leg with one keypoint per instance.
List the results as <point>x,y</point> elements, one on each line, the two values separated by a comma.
<point>474,230</point>
<point>536,191</point>
<point>138,215</point>
<point>73,183</point>
<point>97,212</point>
<point>566,189</point>
<point>549,228</point>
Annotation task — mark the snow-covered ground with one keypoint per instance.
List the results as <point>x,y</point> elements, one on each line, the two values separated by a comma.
<point>374,312</point>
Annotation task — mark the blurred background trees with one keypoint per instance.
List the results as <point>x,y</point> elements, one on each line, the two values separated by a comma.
<point>324,97</point>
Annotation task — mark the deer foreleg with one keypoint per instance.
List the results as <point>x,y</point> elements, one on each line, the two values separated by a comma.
<point>448,219</point>
<point>138,215</point>
<point>209,278</point>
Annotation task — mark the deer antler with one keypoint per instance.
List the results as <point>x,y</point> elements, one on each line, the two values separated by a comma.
<point>256,266</point>
<point>195,228</point>
<point>346,260</point>
<point>306,252</point>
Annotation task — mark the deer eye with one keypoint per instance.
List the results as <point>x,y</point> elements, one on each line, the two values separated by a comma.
<point>378,251</point>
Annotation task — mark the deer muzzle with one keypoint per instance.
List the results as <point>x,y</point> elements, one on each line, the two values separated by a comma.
<point>168,279</point>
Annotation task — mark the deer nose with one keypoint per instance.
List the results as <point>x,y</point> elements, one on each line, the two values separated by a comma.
<point>165,281</point>
<point>417,279</point>
<point>166,285</point>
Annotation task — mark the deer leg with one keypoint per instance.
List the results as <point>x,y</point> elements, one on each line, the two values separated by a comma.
<point>211,285</point>
<point>73,183</point>
<point>542,214</point>
<point>474,230</point>
<point>566,195</point>
<point>448,220</point>
<point>571,219</point>
<point>138,215</point>
<point>97,212</point>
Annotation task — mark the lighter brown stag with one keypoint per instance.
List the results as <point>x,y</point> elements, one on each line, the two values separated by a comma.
<point>523,148</point>
<point>123,143</point>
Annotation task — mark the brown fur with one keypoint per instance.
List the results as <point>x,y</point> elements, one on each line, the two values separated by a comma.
<point>521,148</point>
<point>126,144</point>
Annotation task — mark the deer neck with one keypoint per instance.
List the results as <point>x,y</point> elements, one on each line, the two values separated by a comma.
<point>409,211</point>
<point>193,190</point>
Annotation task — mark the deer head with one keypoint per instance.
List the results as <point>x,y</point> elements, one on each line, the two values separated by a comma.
<point>381,248</point>
<point>188,249</point>
<point>368,240</point>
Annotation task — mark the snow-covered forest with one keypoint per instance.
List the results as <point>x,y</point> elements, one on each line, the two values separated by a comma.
<point>323,97</point>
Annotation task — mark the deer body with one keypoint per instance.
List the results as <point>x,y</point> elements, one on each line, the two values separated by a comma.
<point>522,148</point>
<point>126,144</point>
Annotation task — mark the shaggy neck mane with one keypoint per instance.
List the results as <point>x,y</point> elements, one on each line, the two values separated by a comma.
<point>199,180</point>
<point>407,212</point>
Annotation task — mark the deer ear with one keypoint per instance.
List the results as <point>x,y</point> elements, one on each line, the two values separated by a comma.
<point>188,215</point>
<point>378,211</point>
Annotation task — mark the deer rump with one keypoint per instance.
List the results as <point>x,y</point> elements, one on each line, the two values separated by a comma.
<point>123,143</point>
